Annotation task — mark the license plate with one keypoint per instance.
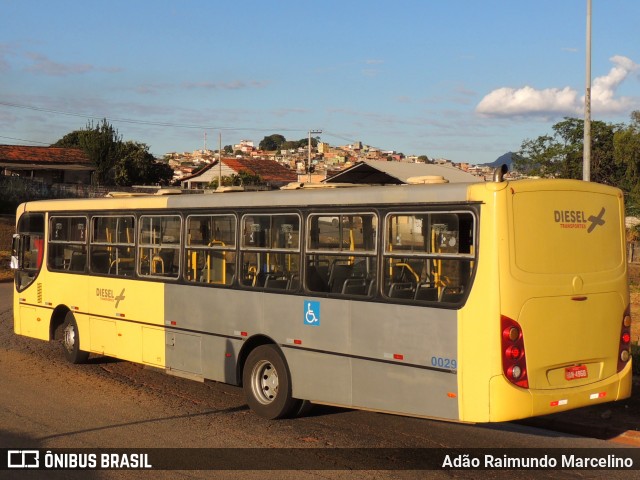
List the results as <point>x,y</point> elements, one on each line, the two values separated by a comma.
<point>576,373</point>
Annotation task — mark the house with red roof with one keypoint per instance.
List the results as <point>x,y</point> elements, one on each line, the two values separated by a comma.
<point>48,165</point>
<point>272,173</point>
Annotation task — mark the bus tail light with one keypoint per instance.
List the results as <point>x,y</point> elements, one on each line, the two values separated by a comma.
<point>514,364</point>
<point>624,348</point>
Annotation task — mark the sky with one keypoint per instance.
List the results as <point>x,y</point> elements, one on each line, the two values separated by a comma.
<point>465,80</point>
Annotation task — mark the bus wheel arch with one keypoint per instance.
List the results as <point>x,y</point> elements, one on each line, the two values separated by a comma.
<point>57,321</point>
<point>70,340</point>
<point>266,380</point>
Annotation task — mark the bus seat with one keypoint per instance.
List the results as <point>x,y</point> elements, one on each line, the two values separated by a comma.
<point>339,274</point>
<point>78,262</point>
<point>167,257</point>
<point>355,286</point>
<point>401,290</point>
<point>278,282</point>
<point>100,262</point>
<point>450,295</point>
<point>164,260</point>
<point>260,279</point>
<point>231,269</point>
<point>295,282</point>
<point>322,269</point>
<point>314,279</point>
<point>157,264</point>
<point>426,291</point>
<point>373,286</point>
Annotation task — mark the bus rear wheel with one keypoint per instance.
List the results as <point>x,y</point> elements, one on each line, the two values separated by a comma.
<point>71,341</point>
<point>267,384</point>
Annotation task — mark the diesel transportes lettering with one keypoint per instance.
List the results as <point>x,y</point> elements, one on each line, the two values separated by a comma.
<point>577,219</point>
<point>569,216</point>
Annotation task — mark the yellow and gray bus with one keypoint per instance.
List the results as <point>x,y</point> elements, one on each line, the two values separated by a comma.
<point>473,302</point>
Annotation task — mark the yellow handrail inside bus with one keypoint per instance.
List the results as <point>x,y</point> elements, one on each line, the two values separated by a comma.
<point>411,270</point>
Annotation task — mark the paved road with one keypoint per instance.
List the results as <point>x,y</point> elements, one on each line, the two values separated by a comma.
<point>48,403</point>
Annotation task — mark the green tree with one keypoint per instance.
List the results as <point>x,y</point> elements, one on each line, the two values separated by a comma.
<point>272,142</point>
<point>626,150</point>
<point>561,155</point>
<point>137,166</point>
<point>117,162</point>
<point>242,178</point>
<point>101,143</point>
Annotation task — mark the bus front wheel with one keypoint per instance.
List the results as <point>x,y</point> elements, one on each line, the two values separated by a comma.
<point>71,341</point>
<point>267,384</point>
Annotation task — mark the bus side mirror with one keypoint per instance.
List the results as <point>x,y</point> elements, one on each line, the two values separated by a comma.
<point>14,263</point>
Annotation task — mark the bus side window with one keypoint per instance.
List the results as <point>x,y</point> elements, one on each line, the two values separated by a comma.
<point>210,249</point>
<point>112,245</point>
<point>429,256</point>
<point>270,251</point>
<point>67,244</point>
<point>159,246</point>
<point>341,254</point>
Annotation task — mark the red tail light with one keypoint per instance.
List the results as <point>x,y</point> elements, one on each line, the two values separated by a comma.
<point>624,349</point>
<point>514,364</point>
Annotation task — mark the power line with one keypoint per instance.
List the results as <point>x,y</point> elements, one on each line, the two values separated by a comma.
<point>146,122</point>
<point>155,123</point>
<point>23,140</point>
<point>341,137</point>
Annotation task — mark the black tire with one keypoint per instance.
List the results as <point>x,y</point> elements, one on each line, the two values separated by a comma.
<point>71,341</point>
<point>267,384</point>
<point>304,409</point>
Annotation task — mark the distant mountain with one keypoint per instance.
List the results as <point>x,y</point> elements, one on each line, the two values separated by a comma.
<point>506,158</point>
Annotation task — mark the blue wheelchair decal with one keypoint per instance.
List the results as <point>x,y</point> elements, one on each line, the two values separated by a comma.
<point>312,313</point>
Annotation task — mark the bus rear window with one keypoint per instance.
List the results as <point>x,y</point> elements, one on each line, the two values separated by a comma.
<point>566,232</point>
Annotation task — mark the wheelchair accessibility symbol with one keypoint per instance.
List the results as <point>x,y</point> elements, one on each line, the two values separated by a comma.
<point>312,313</point>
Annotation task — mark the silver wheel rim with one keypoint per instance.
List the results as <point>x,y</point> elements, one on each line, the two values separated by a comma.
<point>69,338</point>
<point>264,382</point>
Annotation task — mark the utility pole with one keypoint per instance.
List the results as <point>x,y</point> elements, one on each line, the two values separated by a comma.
<point>586,161</point>
<point>314,132</point>
<point>219,159</point>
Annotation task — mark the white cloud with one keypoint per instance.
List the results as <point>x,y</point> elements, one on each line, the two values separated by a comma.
<point>506,102</point>
<point>42,64</point>
<point>233,85</point>
<point>528,101</point>
<point>604,88</point>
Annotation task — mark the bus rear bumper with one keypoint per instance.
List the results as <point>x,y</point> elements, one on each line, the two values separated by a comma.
<point>508,402</point>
